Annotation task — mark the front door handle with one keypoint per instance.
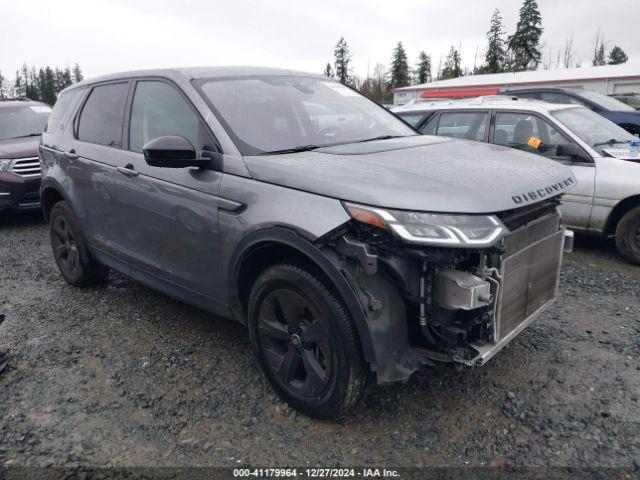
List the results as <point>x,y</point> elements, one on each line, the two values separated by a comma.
<point>71,154</point>
<point>127,170</point>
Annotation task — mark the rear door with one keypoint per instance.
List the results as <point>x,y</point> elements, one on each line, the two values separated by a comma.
<point>532,133</point>
<point>93,158</point>
<point>171,213</point>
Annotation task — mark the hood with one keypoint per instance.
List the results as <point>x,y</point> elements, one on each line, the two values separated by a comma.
<point>19,147</point>
<point>424,173</point>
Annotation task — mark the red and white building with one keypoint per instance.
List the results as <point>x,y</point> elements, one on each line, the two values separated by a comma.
<point>607,79</point>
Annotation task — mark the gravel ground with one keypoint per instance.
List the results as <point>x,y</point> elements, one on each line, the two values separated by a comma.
<point>120,375</point>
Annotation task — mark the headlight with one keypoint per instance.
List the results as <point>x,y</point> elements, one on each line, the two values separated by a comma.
<point>4,164</point>
<point>435,229</point>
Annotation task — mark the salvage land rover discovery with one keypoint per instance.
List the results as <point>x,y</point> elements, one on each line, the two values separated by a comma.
<point>352,247</point>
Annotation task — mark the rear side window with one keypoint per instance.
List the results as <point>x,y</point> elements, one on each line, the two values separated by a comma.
<point>158,110</point>
<point>61,108</point>
<point>468,125</point>
<point>101,117</point>
<point>553,97</point>
<point>430,127</point>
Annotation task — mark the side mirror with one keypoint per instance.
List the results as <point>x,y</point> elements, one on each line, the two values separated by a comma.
<point>172,151</point>
<point>572,151</point>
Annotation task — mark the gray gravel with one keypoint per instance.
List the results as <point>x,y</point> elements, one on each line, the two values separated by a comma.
<point>120,375</point>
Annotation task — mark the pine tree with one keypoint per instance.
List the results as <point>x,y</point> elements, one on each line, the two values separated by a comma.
<point>423,68</point>
<point>524,43</point>
<point>399,68</point>
<point>328,71</point>
<point>342,59</point>
<point>32,85</point>
<point>617,56</point>
<point>77,74</point>
<point>66,78</point>
<point>452,68</point>
<point>496,56</point>
<point>47,85</point>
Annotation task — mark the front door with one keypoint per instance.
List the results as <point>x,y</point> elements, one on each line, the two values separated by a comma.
<point>170,214</point>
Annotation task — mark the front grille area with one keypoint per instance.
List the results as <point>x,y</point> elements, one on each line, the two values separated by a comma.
<point>517,217</point>
<point>26,167</point>
<point>530,272</point>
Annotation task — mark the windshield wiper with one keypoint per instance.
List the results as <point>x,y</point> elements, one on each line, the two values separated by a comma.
<point>301,148</point>
<point>382,137</point>
<point>610,142</point>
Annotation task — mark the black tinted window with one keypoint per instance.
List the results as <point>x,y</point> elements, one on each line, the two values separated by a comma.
<point>101,118</point>
<point>158,110</point>
<point>60,109</point>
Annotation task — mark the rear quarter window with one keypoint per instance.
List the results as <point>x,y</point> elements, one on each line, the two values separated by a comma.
<point>62,106</point>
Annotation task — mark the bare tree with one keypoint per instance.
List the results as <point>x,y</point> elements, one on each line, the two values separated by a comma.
<point>568,53</point>
<point>599,50</point>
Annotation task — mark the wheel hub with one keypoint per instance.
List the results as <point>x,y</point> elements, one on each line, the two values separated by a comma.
<point>296,341</point>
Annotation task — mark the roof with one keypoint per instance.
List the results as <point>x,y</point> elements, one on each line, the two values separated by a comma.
<point>498,101</point>
<point>536,76</point>
<point>194,73</point>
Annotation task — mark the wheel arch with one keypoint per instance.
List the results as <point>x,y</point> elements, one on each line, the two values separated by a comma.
<point>269,246</point>
<point>50,194</point>
<point>619,211</point>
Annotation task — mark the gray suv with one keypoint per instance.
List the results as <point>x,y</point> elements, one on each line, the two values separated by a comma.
<point>353,248</point>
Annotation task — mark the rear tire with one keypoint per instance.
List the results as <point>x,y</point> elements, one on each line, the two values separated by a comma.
<point>628,235</point>
<point>70,249</point>
<point>306,343</point>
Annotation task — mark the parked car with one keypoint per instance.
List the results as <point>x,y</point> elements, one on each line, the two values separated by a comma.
<point>21,123</point>
<point>354,251</point>
<point>631,99</point>
<point>610,108</point>
<point>607,198</point>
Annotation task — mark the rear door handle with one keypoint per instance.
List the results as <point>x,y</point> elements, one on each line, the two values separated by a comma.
<point>71,154</point>
<point>127,170</point>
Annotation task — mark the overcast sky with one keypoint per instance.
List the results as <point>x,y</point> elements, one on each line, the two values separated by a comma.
<point>106,36</point>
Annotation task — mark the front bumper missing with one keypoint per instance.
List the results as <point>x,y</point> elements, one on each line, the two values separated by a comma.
<point>529,284</point>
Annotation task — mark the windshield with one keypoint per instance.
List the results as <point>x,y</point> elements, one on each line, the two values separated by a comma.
<point>275,113</point>
<point>23,120</point>
<point>594,129</point>
<point>605,102</point>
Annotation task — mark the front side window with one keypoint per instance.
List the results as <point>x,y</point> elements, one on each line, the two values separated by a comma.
<point>529,133</point>
<point>272,113</point>
<point>102,114</point>
<point>468,125</point>
<point>159,110</point>
<point>23,120</point>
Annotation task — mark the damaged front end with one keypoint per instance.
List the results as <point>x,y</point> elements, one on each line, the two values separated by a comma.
<point>447,288</point>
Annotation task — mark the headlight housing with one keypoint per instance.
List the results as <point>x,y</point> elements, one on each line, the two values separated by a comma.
<point>5,163</point>
<point>435,229</point>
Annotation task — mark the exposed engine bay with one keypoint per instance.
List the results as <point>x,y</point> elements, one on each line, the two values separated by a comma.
<point>428,305</point>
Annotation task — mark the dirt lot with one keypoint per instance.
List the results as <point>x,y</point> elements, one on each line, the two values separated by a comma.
<point>121,375</point>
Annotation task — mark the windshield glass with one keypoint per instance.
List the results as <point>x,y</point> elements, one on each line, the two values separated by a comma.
<point>593,128</point>
<point>23,120</point>
<point>272,113</point>
<point>605,102</point>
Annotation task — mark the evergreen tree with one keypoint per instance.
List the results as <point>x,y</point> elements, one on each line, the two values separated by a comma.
<point>33,84</point>
<point>423,68</point>
<point>617,56</point>
<point>524,43</point>
<point>599,51</point>
<point>328,71</point>
<point>496,56</point>
<point>66,78</point>
<point>47,85</point>
<point>342,59</point>
<point>399,68</point>
<point>452,68</point>
<point>77,74</point>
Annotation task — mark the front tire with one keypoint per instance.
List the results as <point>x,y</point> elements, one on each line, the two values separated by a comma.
<point>628,235</point>
<point>70,249</point>
<point>306,342</point>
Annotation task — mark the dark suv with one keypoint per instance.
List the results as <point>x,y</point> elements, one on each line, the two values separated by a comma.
<point>352,247</point>
<point>616,111</point>
<point>21,123</point>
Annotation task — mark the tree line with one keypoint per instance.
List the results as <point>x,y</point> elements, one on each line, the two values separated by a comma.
<point>42,84</point>
<point>518,52</point>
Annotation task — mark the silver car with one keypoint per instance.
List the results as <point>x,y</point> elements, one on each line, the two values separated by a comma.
<point>606,200</point>
<point>354,249</point>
